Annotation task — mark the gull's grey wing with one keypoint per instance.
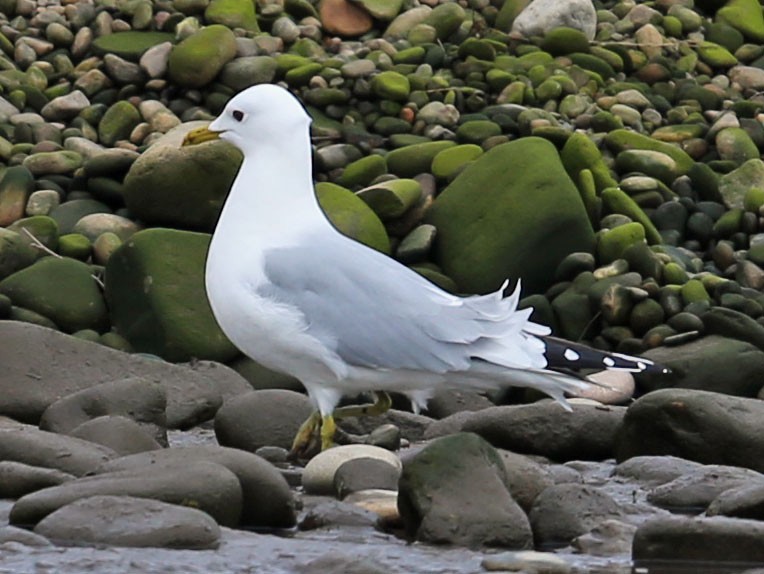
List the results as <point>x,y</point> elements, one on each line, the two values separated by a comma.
<point>374,312</point>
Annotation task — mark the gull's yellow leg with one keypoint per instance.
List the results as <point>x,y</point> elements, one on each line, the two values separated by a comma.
<point>328,428</point>
<point>305,433</point>
<point>382,403</point>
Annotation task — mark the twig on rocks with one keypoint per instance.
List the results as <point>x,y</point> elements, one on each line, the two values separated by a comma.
<point>37,244</point>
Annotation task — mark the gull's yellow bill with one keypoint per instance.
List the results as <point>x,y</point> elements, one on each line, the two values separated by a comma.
<point>200,135</point>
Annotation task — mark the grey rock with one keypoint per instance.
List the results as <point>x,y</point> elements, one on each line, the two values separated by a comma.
<point>205,485</point>
<point>527,561</point>
<point>717,540</point>
<point>29,445</point>
<point>95,224</point>
<point>448,402</point>
<point>654,470</point>
<point>545,428</point>
<point>610,538</point>
<point>542,16</point>
<point>412,426</point>
<point>451,424</point>
<point>333,514</point>
<point>745,501</point>
<point>456,491</point>
<point>138,398</point>
<point>194,392</point>
<point>526,477</point>
<point>65,107</point>
<point>337,563</point>
<point>710,428</point>
<point>122,71</point>
<point>564,511</point>
<point>261,418</point>
<point>18,479</point>
<point>694,491</point>
<point>320,472</point>
<point>364,474</point>
<point>128,521</point>
<point>21,536</point>
<point>121,434</point>
<point>242,73</point>
<point>267,500</point>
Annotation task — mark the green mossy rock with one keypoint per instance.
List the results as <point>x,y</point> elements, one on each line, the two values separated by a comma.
<point>515,213</point>
<point>715,55</point>
<point>477,131</point>
<point>129,45</point>
<point>352,217</point>
<point>15,252</point>
<point>384,10</point>
<point>196,61</point>
<point>621,140</point>
<point>233,14</point>
<point>362,171</point>
<point>16,185</point>
<point>561,41</point>
<point>61,289</point>
<point>74,245</point>
<point>510,9</point>
<point>446,19</point>
<point>154,285</point>
<point>581,153</point>
<point>734,185</point>
<point>753,199</point>
<point>613,243</point>
<point>745,16</point>
<point>69,213</point>
<point>391,86</point>
<point>156,188</point>
<point>393,198</point>
<point>615,200</point>
<point>735,144</point>
<point>117,123</point>
<point>38,227</point>
<point>649,162</point>
<point>694,292</point>
<point>448,163</point>
<point>414,159</point>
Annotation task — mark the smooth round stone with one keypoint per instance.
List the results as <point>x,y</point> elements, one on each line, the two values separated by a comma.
<point>384,503</point>
<point>96,224</point>
<point>42,202</point>
<point>527,561</point>
<point>360,474</point>
<point>318,477</point>
<point>358,68</point>
<point>611,388</point>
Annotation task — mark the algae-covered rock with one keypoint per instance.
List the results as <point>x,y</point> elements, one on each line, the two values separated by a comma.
<point>38,228</point>
<point>61,289</point>
<point>734,185</point>
<point>15,252</point>
<point>448,163</point>
<point>157,188</point>
<point>391,199</point>
<point>446,19</point>
<point>411,160</point>
<point>384,10</point>
<point>514,212</point>
<point>16,185</point>
<point>391,86</point>
<point>564,40</point>
<point>199,58</point>
<point>363,171</point>
<point>581,153</point>
<point>233,14</point>
<point>745,16</point>
<point>621,140</point>
<point>130,45</point>
<point>154,285</point>
<point>616,201</point>
<point>117,123</point>
<point>351,216</point>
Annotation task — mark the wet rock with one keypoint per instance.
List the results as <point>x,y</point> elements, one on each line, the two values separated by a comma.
<point>611,538</point>
<point>695,490</point>
<point>28,445</point>
<point>709,540</point>
<point>142,400</point>
<point>333,514</point>
<point>526,561</point>
<point>18,479</point>
<point>455,491</point>
<point>564,511</point>
<point>545,428</point>
<point>337,563</point>
<point>320,473</point>
<point>745,501</point>
<point>207,486</point>
<point>654,470</point>
<point>194,392</point>
<point>363,474</point>
<point>267,500</point>
<point>127,521</point>
<point>526,478</point>
<point>121,434</point>
<point>261,418</point>
<point>722,428</point>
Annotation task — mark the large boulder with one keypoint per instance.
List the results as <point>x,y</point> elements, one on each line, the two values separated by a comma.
<point>710,428</point>
<point>513,213</point>
<point>156,295</point>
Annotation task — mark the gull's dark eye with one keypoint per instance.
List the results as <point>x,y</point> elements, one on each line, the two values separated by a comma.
<point>238,115</point>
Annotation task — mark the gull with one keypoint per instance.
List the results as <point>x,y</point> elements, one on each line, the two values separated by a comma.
<point>294,294</point>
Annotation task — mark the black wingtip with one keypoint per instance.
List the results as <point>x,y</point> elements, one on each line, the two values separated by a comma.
<point>561,354</point>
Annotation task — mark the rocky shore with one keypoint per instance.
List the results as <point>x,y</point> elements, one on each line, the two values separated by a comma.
<point>607,153</point>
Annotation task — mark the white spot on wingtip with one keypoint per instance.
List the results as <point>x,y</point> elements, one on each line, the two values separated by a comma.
<point>641,365</point>
<point>608,362</point>
<point>571,355</point>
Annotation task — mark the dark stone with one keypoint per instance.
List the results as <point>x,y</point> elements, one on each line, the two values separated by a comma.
<point>363,474</point>
<point>746,501</point>
<point>527,478</point>
<point>18,479</point>
<point>121,434</point>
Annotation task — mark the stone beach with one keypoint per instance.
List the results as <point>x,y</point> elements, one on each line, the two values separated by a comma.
<point>608,153</point>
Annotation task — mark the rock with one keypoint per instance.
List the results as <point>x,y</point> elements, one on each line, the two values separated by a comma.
<point>384,10</point>
<point>337,563</point>
<point>361,172</point>
<point>128,521</point>
<point>447,402</point>
<point>33,447</point>
<point>450,162</point>
<point>542,16</point>
<point>736,145</point>
<point>564,511</point>
<point>332,514</point>
<point>194,392</point>
<point>130,45</point>
<point>545,428</point>
<point>412,426</point>
<point>455,491</point>
<point>155,188</point>
<point>694,491</point>
<point>723,428</point>
<point>21,536</point>
<point>16,185</point>
<point>446,19</point>
<point>118,122</point>
<point>527,478</point>
<point>142,400</point>
<point>232,14</point>
<point>267,500</point>
<point>69,213</point>
<point>207,486</point>
<point>157,300</point>
<point>712,363</point>
<point>121,434</point>
<point>359,474</point>
<point>701,540</point>
<point>745,501</point>
<point>196,61</point>
<point>745,16</point>
<point>526,561</point>
<point>261,418</point>
<point>478,249</point>
<point>734,185</point>
<point>391,199</point>
<point>94,225</point>
<point>391,85</point>
<point>64,290</point>
<point>404,22</point>
<point>654,470</point>
<point>320,472</point>
<point>18,479</point>
<point>15,253</point>
<point>53,162</point>
<point>242,73</point>
<point>621,140</point>
<point>344,18</point>
<point>610,538</point>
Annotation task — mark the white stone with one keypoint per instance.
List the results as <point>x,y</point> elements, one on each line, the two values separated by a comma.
<point>541,16</point>
<point>318,476</point>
